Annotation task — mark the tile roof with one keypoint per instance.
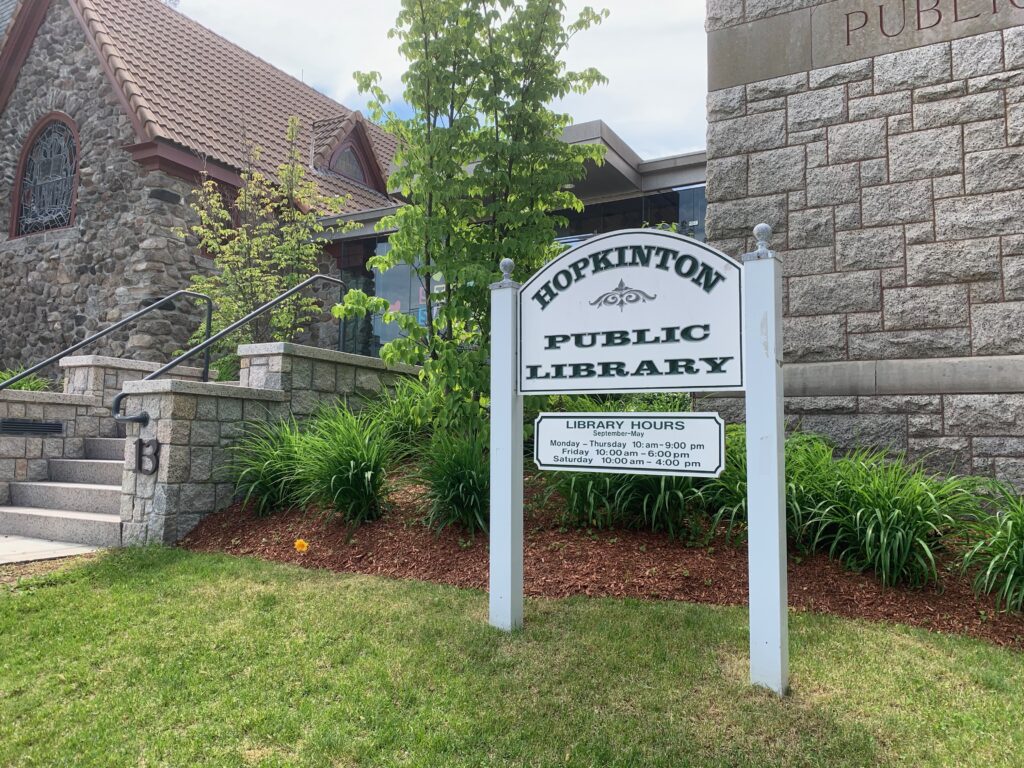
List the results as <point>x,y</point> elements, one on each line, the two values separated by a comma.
<point>189,86</point>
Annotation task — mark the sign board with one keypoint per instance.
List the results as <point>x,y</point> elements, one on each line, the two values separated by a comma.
<point>638,310</point>
<point>682,444</point>
<point>644,311</point>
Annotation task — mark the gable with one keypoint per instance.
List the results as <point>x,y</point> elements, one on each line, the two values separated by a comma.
<point>196,101</point>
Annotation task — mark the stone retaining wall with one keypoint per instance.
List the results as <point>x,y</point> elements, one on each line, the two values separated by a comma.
<point>196,424</point>
<point>315,376</point>
<point>25,458</point>
<point>894,182</point>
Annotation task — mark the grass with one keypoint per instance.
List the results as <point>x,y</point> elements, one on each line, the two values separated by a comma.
<point>31,383</point>
<point>164,657</point>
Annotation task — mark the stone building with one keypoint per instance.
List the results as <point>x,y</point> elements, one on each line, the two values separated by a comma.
<point>884,143</point>
<point>110,111</point>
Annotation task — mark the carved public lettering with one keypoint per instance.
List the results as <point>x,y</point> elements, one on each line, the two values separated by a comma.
<point>898,17</point>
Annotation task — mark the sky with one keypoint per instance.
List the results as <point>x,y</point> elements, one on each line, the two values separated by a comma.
<point>652,51</point>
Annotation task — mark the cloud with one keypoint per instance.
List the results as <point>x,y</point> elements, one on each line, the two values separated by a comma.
<point>652,51</point>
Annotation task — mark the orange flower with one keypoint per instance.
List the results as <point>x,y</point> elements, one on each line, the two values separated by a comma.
<point>301,545</point>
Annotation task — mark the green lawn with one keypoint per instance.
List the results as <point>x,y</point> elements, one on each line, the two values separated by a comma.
<point>166,658</point>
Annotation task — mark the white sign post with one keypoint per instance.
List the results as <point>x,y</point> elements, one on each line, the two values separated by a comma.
<point>766,500</point>
<point>644,311</point>
<point>506,527</point>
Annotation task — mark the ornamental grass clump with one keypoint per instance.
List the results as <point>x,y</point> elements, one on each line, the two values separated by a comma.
<point>264,466</point>
<point>811,481</point>
<point>671,505</point>
<point>727,493</point>
<point>890,517</point>
<point>343,465</point>
<point>404,413</point>
<point>996,553</point>
<point>456,473</point>
<point>31,383</point>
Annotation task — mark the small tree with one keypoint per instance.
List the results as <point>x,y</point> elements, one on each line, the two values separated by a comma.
<point>262,243</point>
<point>483,167</point>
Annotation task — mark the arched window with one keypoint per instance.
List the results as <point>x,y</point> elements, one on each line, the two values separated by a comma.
<point>347,163</point>
<point>44,192</point>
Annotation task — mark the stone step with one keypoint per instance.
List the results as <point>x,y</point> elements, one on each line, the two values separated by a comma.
<point>87,528</point>
<point>93,471</point>
<point>106,448</point>
<point>79,497</point>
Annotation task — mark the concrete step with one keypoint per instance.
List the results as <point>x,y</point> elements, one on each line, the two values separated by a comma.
<point>106,448</point>
<point>80,497</point>
<point>88,528</point>
<point>93,471</point>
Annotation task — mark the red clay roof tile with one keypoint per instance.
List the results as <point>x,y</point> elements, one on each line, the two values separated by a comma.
<point>189,86</point>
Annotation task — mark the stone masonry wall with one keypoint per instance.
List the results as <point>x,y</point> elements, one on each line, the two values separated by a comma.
<point>197,423</point>
<point>57,287</point>
<point>895,187</point>
<point>25,457</point>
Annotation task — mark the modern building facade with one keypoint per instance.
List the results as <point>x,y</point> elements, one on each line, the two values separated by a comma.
<point>626,191</point>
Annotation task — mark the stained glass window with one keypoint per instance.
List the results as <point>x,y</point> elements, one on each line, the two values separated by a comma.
<point>47,185</point>
<point>347,164</point>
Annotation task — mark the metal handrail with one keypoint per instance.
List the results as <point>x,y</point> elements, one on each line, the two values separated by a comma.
<point>143,417</point>
<point>121,324</point>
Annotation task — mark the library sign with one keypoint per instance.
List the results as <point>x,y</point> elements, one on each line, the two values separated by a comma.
<point>643,311</point>
<point>632,311</point>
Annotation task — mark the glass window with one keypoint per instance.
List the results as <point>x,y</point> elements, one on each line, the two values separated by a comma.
<point>686,207</point>
<point>693,211</point>
<point>404,291</point>
<point>346,162</point>
<point>48,180</point>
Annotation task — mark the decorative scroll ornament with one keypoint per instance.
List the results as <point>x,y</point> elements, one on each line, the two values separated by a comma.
<point>621,296</point>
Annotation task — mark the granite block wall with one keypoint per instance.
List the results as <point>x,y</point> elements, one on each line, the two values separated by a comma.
<point>196,424</point>
<point>895,187</point>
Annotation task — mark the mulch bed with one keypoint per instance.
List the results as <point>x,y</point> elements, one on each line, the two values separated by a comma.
<point>560,563</point>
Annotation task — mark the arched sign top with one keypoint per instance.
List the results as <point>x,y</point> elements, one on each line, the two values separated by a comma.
<point>634,310</point>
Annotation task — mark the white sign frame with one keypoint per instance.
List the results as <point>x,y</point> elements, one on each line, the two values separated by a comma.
<point>579,291</point>
<point>761,359</point>
<point>632,469</point>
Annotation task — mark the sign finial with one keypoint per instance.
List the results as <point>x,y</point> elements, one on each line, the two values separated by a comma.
<point>763,234</point>
<point>507,265</point>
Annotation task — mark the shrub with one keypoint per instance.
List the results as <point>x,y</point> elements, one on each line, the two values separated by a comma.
<point>890,517</point>
<point>404,413</point>
<point>31,383</point>
<point>343,464</point>
<point>456,473</point>
<point>811,481</point>
<point>727,493</point>
<point>647,502</point>
<point>997,551</point>
<point>264,466</point>
<point>638,402</point>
